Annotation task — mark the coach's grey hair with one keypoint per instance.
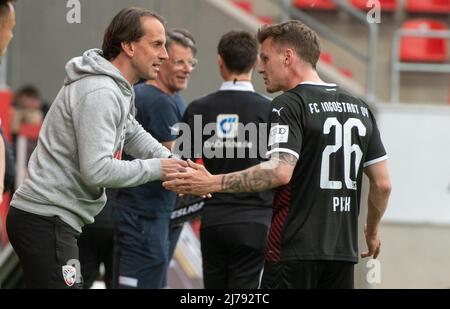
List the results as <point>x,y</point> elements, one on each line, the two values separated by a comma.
<point>182,37</point>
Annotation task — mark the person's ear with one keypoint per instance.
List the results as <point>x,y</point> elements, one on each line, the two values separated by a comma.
<point>220,61</point>
<point>288,56</point>
<point>128,48</point>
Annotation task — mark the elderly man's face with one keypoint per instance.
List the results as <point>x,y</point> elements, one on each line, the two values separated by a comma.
<point>176,71</point>
<point>7,24</point>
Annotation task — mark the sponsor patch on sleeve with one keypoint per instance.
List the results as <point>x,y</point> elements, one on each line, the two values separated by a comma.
<point>278,134</point>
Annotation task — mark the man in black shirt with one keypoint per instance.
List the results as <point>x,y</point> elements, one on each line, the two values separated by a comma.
<point>321,140</point>
<point>234,226</point>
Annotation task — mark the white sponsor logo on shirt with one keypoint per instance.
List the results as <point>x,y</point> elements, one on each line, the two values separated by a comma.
<point>278,134</point>
<point>227,125</point>
<point>278,111</point>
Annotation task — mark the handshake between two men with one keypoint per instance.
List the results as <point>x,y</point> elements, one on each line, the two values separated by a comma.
<point>191,178</point>
<point>187,177</point>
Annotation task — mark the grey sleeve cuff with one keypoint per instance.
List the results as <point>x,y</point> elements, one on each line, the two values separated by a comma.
<point>155,171</point>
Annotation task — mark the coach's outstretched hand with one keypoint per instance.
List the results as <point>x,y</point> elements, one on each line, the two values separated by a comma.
<point>195,180</point>
<point>171,166</point>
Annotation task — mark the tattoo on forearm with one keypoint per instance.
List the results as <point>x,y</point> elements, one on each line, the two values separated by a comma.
<point>248,181</point>
<point>287,158</point>
<point>257,179</point>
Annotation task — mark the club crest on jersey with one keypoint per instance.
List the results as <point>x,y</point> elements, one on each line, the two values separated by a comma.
<point>69,274</point>
<point>227,125</point>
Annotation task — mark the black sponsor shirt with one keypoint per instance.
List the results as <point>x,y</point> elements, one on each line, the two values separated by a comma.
<point>225,149</point>
<point>334,136</point>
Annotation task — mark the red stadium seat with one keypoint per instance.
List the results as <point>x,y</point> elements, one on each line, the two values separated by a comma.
<point>247,6</point>
<point>326,58</point>
<point>428,6</point>
<point>244,5</point>
<point>315,4</point>
<point>386,5</point>
<point>265,20</point>
<point>346,72</point>
<point>424,49</point>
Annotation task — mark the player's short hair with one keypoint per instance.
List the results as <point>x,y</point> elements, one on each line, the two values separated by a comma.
<point>239,51</point>
<point>126,26</point>
<point>4,9</point>
<point>181,37</point>
<point>296,35</point>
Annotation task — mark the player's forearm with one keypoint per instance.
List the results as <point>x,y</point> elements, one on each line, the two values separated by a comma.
<point>254,179</point>
<point>377,202</point>
<point>265,176</point>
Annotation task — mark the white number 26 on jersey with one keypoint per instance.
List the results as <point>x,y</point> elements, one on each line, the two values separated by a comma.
<point>343,138</point>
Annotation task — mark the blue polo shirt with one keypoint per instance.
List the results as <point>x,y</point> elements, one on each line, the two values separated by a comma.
<point>157,112</point>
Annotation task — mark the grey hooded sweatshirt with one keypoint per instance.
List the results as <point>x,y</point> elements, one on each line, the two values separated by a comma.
<point>77,156</point>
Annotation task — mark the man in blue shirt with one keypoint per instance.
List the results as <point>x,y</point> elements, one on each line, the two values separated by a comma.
<point>145,241</point>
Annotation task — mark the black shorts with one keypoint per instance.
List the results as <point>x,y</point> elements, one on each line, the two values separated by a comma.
<point>47,250</point>
<point>308,275</point>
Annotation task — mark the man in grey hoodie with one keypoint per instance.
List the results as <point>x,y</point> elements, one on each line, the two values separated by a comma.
<point>79,149</point>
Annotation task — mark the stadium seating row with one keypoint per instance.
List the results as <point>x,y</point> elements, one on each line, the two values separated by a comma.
<point>412,6</point>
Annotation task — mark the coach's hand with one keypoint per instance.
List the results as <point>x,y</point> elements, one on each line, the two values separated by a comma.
<point>373,244</point>
<point>171,166</point>
<point>195,180</point>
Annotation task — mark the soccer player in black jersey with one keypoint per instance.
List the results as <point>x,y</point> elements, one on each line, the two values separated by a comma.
<point>321,140</point>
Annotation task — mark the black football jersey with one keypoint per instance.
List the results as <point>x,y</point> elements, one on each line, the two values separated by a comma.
<point>334,136</point>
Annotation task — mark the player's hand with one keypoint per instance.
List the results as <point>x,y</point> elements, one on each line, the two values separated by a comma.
<point>193,180</point>
<point>171,166</point>
<point>373,244</point>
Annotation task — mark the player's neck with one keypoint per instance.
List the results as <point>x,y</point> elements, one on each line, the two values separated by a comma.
<point>312,76</point>
<point>302,77</point>
<point>246,77</point>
